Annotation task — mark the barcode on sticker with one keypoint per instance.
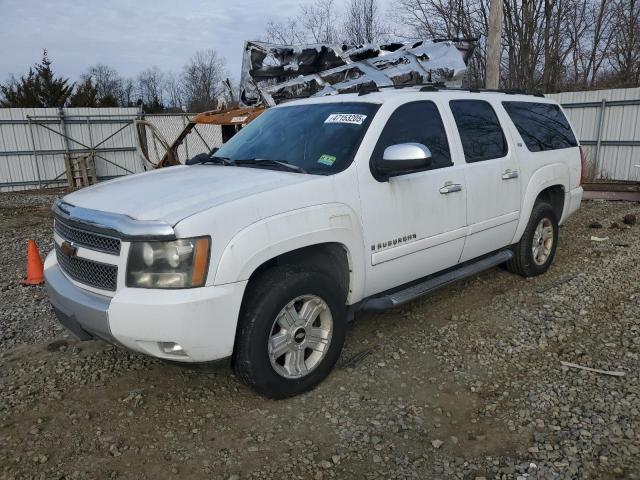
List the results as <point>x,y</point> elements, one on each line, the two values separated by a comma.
<point>353,118</point>
<point>238,119</point>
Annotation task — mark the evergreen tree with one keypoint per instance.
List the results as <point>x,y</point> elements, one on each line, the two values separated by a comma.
<point>85,94</point>
<point>39,88</point>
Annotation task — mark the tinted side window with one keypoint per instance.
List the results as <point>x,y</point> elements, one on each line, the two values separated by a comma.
<point>480,132</point>
<point>542,126</point>
<point>417,122</point>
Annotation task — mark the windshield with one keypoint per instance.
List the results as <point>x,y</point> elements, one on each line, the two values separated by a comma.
<point>319,138</point>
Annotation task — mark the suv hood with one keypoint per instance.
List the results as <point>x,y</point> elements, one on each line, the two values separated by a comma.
<point>171,194</point>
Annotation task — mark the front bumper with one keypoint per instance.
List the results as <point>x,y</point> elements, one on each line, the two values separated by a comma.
<point>81,311</point>
<point>201,320</point>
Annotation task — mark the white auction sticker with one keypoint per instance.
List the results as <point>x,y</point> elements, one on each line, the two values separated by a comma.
<point>238,119</point>
<point>353,118</point>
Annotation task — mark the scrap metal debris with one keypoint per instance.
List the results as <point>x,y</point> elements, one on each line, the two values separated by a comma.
<point>357,359</point>
<point>275,73</point>
<point>595,370</point>
<point>556,283</point>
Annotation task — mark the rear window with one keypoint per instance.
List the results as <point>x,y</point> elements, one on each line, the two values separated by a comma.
<point>480,131</point>
<point>542,126</point>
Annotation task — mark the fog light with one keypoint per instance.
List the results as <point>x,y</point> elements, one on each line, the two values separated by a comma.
<point>171,348</point>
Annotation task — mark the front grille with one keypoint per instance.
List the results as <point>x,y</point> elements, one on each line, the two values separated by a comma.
<point>95,274</point>
<point>94,241</point>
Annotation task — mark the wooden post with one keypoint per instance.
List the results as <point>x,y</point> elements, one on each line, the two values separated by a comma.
<point>494,47</point>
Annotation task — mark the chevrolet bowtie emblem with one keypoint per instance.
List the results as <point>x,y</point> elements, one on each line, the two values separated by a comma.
<point>68,249</point>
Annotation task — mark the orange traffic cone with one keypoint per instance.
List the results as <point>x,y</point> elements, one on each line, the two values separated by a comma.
<point>35,268</point>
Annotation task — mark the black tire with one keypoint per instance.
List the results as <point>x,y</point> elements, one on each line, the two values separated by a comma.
<point>266,297</point>
<point>523,262</point>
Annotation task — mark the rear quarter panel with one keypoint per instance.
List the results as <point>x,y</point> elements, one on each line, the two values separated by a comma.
<point>540,170</point>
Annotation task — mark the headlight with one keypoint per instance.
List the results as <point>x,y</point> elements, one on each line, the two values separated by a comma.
<point>176,264</point>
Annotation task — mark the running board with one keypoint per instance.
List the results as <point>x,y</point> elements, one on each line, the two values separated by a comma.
<point>433,283</point>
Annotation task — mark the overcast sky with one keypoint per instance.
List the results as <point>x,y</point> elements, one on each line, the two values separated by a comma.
<point>130,35</point>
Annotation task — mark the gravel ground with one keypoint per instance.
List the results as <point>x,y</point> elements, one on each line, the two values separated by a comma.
<point>466,383</point>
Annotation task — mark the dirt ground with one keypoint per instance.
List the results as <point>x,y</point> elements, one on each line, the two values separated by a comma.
<point>466,383</point>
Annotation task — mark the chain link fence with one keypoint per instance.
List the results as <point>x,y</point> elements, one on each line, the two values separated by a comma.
<point>202,139</point>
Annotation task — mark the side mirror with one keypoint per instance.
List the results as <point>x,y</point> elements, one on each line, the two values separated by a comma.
<point>404,157</point>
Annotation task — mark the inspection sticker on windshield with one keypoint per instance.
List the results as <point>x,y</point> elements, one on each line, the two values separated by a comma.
<point>327,159</point>
<point>353,118</point>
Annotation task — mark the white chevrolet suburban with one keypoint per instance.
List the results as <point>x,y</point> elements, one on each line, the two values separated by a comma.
<point>263,250</point>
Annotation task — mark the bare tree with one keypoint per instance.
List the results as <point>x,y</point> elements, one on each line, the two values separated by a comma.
<point>363,22</point>
<point>546,44</point>
<point>320,19</point>
<point>128,93</point>
<point>447,19</point>
<point>150,84</point>
<point>201,80</point>
<point>319,22</point>
<point>558,42</point>
<point>598,23</point>
<point>524,42</point>
<point>174,91</point>
<point>625,49</point>
<point>108,84</point>
<point>285,32</point>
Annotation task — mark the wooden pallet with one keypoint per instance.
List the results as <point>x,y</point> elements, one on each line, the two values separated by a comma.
<point>81,171</point>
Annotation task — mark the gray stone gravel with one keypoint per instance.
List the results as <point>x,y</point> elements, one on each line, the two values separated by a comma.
<point>466,383</point>
<point>25,315</point>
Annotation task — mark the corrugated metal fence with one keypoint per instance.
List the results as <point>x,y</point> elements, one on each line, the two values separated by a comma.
<point>607,123</point>
<point>34,141</point>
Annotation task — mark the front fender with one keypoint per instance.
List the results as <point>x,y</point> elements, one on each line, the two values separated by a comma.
<point>282,233</point>
<point>544,177</point>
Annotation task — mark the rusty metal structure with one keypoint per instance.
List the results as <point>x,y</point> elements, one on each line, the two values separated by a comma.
<point>273,74</point>
<point>230,121</point>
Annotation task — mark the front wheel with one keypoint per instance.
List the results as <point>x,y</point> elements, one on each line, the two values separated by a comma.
<point>535,251</point>
<point>291,331</point>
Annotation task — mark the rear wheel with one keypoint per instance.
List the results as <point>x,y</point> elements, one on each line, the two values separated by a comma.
<point>291,331</point>
<point>535,251</point>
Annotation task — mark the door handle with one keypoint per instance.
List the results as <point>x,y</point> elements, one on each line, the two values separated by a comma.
<point>450,188</point>
<point>509,174</point>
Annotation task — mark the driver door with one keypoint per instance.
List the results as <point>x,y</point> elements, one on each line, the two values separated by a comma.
<point>414,223</point>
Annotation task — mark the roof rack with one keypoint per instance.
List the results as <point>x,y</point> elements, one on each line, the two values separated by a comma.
<point>440,86</point>
<point>508,91</point>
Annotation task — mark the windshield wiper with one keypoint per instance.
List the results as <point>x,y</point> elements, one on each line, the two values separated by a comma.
<point>219,160</point>
<point>280,164</point>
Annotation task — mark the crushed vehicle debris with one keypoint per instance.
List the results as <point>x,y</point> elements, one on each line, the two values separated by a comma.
<point>272,74</point>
